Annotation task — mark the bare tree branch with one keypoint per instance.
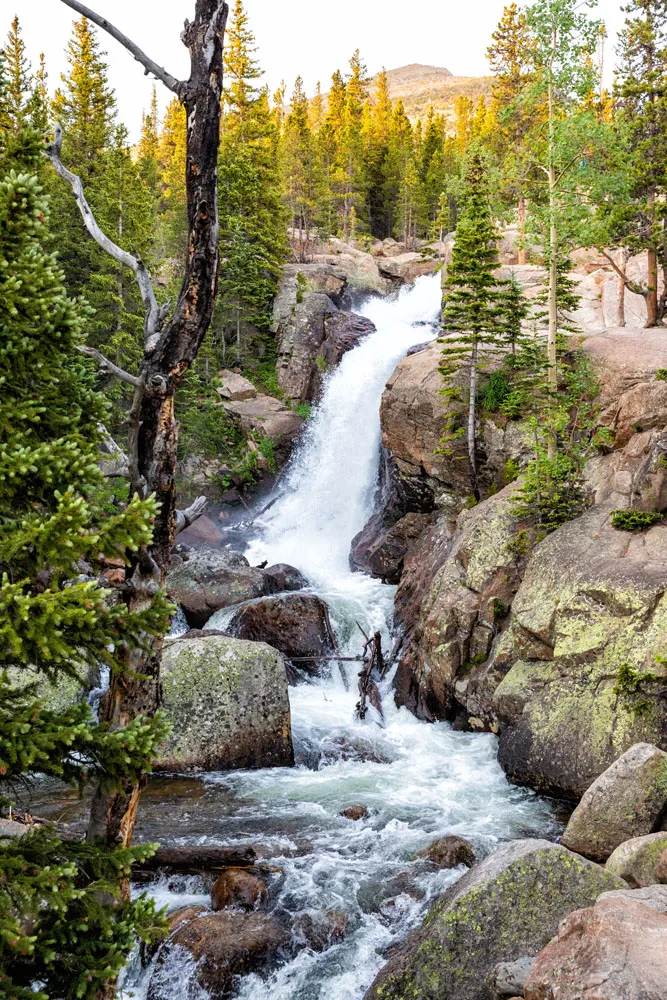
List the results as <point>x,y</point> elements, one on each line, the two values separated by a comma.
<point>150,67</point>
<point>632,286</point>
<point>184,518</point>
<point>109,367</point>
<point>154,314</point>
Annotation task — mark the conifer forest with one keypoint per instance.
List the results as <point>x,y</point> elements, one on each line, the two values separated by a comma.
<point>333,510</point>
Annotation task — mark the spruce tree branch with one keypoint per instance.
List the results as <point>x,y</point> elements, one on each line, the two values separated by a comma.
<point>150,67</point>
<point>154,314</point>
<point>109,367</point>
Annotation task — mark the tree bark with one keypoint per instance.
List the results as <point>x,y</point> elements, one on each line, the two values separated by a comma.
<point>552,357</point>
<point>521,214</point>
<point>623,256</point>
<point>652,292</point>
<point>472,421</point>
<point>136,690</point>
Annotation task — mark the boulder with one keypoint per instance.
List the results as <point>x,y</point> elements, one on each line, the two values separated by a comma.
<point>615,950</point>
<point>582,682</point>
<point>320,931</point>
<point>224,945</point>
<point>355,813</point>
<point>233,386</point>
<point>450,634</point>
<point>8,828</point>
<point>407,267</point>
<point>299,340</point>
<point>508,979</point>
<point>654,896</point>
<point>360,269</point>
<point>212,579</point>
<point>625,802</point>
<point>282,577</point>
<point>296,624</point>
<point>267,417</point>
<point>505,908</point>
<point>381,551</point>
<point>638,860</point>
<point>449,852</point>
<point>237,889</point>
<point>184,916</point>
<point>227,703</point>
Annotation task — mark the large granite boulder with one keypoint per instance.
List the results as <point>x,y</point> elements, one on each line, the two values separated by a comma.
<point>628,800</point>
<point>212,579</point>
<point>299,339</point>
<point>407,267</point>
<point>227,703</point>
<point>296,624</point>
<point>507,907</point>
<point>266,417</point>
<point>450,635</point>
<point>615,950</point>
<point>582,682</point>
<point>223,945</point>
<point>381,551</point>
<point>360,268</point>
<point>638,861</point>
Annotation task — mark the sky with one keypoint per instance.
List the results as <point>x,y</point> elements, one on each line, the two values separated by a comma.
<point>306,37</point>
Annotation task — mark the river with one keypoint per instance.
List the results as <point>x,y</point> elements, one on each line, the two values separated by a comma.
<point>418,781</point>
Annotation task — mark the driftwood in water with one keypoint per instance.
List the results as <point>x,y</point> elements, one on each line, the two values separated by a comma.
<point>197,859</point>
<point>372,672</point>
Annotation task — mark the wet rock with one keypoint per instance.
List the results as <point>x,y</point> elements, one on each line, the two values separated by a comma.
<point>202,532</point>
<point>234,386</point>
<point>407,267</point>
<point>224,945</point>
<point>638,860</point>
<point>456,590</point>
<point>343,332</point>
<point>296,624</point>
<point>614,950</point>
<point>449,852</point>
<point>184,916</point>
<point>503,909</point>
<point>299,340</point>
<point>227,703</point>
<point>282,577</point>
<point>381,552</point>
<point>212,579</point>
<point>591,611</point>
<point>321,930</point>
<point>625,802</point>
<point>238,889</point>
<point>355,812</point>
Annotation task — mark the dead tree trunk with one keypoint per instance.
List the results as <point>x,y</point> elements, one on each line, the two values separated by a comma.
<point>169,350</point>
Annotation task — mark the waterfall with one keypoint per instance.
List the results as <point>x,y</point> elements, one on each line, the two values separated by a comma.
<point>418,781</point>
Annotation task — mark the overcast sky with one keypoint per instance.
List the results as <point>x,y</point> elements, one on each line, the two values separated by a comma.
<point>309,37</point>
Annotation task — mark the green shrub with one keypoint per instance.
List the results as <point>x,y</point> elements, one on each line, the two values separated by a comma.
<point>635,520</point>
<point>631,684</point>
<point>661,374</point>
<point>304,410</point>
<point>603,440</point>
<point>495,391</point>
<point>301,285</point>
<point>321,363</point>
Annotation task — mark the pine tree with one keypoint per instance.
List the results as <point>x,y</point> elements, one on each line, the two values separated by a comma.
<point>473,304</point>
<point>18,90</point>
<point>300,172</point>
<point>252,220</point>
<point>65,927</point>
<point>642,94</point>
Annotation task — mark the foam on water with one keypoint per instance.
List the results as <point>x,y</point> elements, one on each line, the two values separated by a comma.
<point>418,781</point>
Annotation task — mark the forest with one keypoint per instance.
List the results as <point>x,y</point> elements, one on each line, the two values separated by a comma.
<point>385,680</point>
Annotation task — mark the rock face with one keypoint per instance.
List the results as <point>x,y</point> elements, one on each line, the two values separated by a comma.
<point>406,267</point>
<point>591,613</point>
<point>638,861</point>
<point>224,945</point>
<point>654,896</point>
<point>312,334</point>
<point>283,577</point>
<point>228,705</point>
<point>451,627</point>
<point>505,908</point>
<point>615,950</point>
<point>381,551</point>
<point>212,579</point>
<point>296,624</point>
<point>625,802</point>
<point>235,387</point>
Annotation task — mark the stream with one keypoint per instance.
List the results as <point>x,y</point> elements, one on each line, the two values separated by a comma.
<point>418,781</point>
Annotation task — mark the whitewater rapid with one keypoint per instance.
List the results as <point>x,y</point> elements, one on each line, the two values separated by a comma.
<point>418,781</point>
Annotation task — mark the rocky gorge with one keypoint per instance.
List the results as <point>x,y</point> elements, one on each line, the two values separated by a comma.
<point>409,854</point>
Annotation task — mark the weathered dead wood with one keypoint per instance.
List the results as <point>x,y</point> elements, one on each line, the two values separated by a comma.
<point>199,858</point>
<point>370,676</point>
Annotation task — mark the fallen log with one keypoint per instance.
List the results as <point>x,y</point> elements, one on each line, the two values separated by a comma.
<point>198,858</point>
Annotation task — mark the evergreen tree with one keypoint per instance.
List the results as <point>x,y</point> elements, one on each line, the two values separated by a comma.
<point>642,93</point>
<point>300,173</point>
<point>65,927</point>
<point>473,304</point>
<point>252,219</point>
<point>18,89</point>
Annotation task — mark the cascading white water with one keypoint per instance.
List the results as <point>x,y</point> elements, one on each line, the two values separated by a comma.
<point>418,781</point>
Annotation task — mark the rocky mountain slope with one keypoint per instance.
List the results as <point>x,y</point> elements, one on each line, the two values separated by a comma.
<point>420,87</point>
